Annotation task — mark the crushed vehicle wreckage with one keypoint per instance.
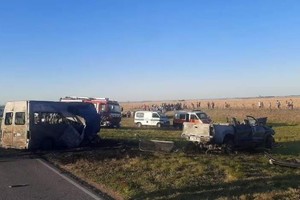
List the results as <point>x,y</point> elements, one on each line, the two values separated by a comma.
<point>250,134</point>
<point>47,124</point>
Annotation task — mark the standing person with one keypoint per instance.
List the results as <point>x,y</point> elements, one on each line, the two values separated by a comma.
<point>193,106</point>
<point>226,105</point>
<point>212,105</point>
<point>278,104</point>
<point>208,105</point>
<point>259,104</point>
<point>291,104</point>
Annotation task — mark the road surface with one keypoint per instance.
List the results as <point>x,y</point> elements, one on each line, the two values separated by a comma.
<point>29,177</point>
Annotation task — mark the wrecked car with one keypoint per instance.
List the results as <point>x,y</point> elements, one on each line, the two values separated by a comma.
<point>250,134</point>
<point>46,124</point>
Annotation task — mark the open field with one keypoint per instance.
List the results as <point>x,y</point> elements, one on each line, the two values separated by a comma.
<point>127,173</point>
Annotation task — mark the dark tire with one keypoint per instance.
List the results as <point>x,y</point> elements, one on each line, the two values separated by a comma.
<point>228,146</point>
<point>158,125</point>
<point>47,144</point>
<point>139,124</point>
<point>269,142</point>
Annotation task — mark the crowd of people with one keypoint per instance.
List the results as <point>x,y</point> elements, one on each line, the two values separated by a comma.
<point>164,107</point>
<point>289,104</point>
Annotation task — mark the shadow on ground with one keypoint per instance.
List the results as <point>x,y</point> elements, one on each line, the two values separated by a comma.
<point>230,190</point>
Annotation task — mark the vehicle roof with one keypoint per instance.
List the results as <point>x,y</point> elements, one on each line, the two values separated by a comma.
<point>147,111</point>
<point>188,112</point>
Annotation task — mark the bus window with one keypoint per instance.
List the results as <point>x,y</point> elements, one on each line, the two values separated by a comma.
<point>8,118</point>
<point>20,118</point>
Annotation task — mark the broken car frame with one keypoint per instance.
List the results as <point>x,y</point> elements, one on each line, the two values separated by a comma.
<point>250,134</point>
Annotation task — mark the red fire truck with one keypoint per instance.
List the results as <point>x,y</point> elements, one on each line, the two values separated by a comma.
<point>109,110</point>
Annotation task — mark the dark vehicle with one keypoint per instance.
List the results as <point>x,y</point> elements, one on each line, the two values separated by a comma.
<point>109,110</point>
<point>250,134</point>
<point>196,117</point>
<point>46,124</point>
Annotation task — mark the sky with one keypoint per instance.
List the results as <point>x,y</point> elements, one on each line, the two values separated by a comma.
<point>137,50</point>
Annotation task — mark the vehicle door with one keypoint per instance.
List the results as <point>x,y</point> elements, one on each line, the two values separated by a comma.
<point>16,126</point>
<point>243,134</point>
<point>258,131</point>
<point>155,119</point>
<point>194,118</point>
<point>139,117</point>
<point>7,128</point>
<point>182,118</point>
<point>147,119</point>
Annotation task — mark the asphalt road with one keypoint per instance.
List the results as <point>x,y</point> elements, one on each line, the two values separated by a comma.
<point>26,177</point>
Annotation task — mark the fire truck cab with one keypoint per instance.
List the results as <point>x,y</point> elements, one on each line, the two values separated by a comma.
<point>109,110</point>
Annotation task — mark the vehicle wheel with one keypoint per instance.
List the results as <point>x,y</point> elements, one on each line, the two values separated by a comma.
<point>228,146</point>
<point>139,124</point>
<point>47,145</point>
<point>158,125</point>
<point>269,143</point>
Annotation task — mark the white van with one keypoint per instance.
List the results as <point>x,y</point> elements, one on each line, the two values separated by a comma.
<point>150,118</point>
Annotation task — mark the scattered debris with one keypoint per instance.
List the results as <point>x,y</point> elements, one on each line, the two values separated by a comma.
<point>156,145</point>
<point>293,163</point>
<point>18,185</point>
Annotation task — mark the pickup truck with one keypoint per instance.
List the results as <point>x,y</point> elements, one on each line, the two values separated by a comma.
<point>250,134</point>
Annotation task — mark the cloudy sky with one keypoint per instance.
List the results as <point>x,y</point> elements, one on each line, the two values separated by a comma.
<point>137,50</point>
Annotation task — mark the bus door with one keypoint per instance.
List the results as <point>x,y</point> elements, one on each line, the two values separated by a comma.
<point>15,127</point>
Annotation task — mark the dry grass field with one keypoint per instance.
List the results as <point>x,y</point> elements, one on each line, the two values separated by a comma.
<point>127,173</point>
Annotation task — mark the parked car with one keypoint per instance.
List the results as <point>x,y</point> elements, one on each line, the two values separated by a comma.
<point>196,117</point>
<point>150,118</point>
<point>250,134</point>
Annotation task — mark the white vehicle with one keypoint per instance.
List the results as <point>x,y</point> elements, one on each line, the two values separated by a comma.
<point>150,118</point>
